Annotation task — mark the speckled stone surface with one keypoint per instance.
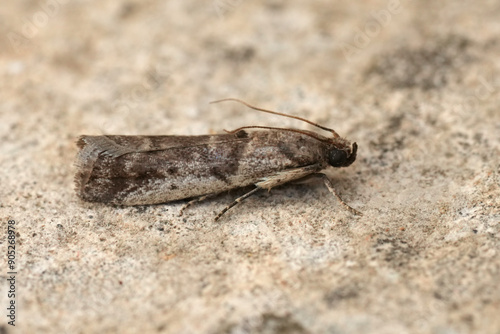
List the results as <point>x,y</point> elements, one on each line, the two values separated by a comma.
<point>415,84</point>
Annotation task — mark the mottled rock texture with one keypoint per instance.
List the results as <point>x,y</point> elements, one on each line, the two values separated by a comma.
<point>415,83</point>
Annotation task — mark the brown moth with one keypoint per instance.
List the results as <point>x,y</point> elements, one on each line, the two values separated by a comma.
<point>142,170</point>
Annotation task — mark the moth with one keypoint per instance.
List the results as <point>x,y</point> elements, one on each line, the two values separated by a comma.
<point>143,170</point>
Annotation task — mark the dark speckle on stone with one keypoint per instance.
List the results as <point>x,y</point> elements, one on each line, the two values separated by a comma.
<point>430,66</point>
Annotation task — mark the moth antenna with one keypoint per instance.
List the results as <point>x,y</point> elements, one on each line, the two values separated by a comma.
<point>335,134</point>
<point>274,128</point>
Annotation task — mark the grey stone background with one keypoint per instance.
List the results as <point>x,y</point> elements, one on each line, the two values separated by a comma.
<point>415,83</point>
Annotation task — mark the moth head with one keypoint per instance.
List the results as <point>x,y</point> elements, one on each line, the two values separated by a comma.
<point>342,157</point>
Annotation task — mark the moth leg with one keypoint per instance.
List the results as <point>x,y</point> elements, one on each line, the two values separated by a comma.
<point>236,201</point>
<point>287,176</point>
<point>273,181</point>
<point>330,187</point>
<point>196,200</point>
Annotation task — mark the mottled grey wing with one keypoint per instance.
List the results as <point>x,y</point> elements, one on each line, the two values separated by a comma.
<point>116,146</point>
<point>102,159</point>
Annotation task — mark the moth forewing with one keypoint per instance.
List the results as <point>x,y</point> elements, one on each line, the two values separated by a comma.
<point>142,170</point>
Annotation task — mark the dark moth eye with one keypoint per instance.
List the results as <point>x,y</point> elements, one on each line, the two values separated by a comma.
<point>337,158</point>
